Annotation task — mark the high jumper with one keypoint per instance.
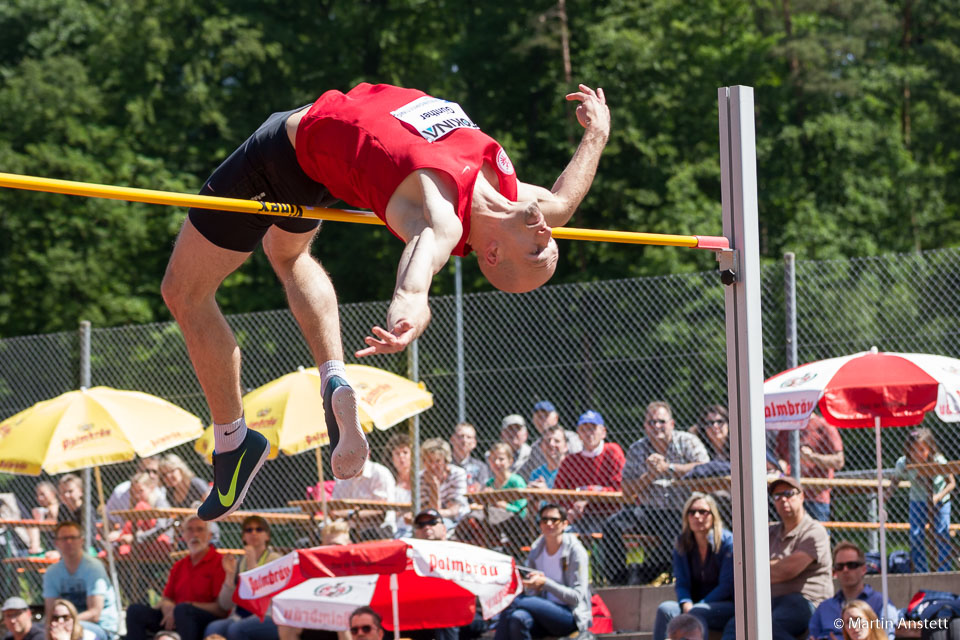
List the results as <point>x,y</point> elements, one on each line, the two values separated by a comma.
<point>420,163</point>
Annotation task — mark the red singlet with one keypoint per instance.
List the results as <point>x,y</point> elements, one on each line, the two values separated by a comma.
<point>354,145</point>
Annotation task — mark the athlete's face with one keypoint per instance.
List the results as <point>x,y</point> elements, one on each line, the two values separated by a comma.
<point>527,254</point>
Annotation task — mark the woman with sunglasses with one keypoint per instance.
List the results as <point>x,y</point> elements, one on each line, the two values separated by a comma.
<point>703,567</point>
<point>241,624</point>
<point>63,623</point>
<point>556,601</point>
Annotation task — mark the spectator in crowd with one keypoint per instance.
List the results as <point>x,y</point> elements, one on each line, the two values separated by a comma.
<point>70,492</point>
<point>82,580</point>
<point>821,454</point>
<point>513,431</point>
<point>190,598</point>
<point>428,525</point>
<point>860,622</point>
<point>464,441</point>
<point>849,569</point>
<point>799,563</point>
<point>599,467</point>
<point>703,568</point>
<point>928,494</point>
<point>120,497</point>
<point>501,464</point>
<point>18,621</point>
<point>652,464</point>
<point>47,506</point>
<point>400,451</point>
<point>443,485</point>
<point>336,532</point>
<point>554,446</point>
<point>556,598</point>
<point>164,634</point>
<point>142,493</point>
<point>685,627</point>
<point>63,623</point>
<point>545,416</point>
<point>184,488</point>
<point>375,482</point>
<point>241,624</point>
<point>365,624</point>
<point>714,431</point>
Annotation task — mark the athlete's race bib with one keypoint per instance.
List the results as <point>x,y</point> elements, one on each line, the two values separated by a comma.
<point>434,118</point>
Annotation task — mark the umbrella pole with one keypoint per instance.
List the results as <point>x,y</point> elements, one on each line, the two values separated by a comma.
<point>106,542</point>
<point>394,600</point>
<point>323,489</point>
<point>882,512</point>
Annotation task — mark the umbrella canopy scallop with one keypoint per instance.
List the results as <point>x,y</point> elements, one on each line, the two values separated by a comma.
<point>91,427</point>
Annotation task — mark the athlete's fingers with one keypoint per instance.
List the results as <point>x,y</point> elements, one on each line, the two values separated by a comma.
<point>603,98</point>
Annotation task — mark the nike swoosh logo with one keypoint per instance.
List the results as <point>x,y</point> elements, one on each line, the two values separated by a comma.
<point>227,500</point>
<point>230,433</point>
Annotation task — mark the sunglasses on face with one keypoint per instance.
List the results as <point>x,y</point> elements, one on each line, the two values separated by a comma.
<point>840,566</point>
<point>364,628</point>
<point>549,519</point>
<point>61,618</point>
<point>714,422</point>
<point>783,495</point>
<point>252,529</point>
<point>655,423</point>
<point>698,512</point>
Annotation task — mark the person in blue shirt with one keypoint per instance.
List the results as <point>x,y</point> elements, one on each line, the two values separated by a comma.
<point>703,567</point>
<point>849,568</point>
<point>554,448</point>
<point>82,580</point>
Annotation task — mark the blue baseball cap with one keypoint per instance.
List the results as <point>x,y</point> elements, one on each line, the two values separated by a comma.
<point>590,417</point>
<point>544,405</point>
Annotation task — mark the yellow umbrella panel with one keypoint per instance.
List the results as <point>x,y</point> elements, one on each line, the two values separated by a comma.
<point>289,410</point>
<point>92,427</point>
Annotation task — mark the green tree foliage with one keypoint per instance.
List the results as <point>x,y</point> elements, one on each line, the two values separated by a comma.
<point>855,101</point>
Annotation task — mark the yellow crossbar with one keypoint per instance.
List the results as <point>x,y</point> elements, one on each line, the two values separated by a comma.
<point>91,190</point>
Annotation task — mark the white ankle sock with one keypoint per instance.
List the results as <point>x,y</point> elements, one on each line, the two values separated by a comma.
<point>331,368</point>
<point>227,437</point>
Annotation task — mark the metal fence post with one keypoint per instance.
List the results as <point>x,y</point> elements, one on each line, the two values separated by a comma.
<point>790,313</point>
<point>413,364</point>
<point>85,384</point>
<point>458,302</point>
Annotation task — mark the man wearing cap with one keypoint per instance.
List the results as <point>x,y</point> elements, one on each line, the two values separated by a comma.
<point>189,600</point>
<point>83,581</point>
<point>513,431</point>
<point>599,467</point>
<point>463,442</point>
<point>652,465</point>
<point>799,563</point>
<point>545,415</point>
<point>18,620</point>
<point>429,525</point>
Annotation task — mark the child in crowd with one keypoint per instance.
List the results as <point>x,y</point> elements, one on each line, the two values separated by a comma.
<point>929,495</point>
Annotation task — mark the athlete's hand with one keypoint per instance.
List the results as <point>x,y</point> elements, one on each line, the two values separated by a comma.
<point>592,112</point>
<point>402,334</point>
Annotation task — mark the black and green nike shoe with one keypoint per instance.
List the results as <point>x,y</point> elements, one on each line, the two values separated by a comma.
<point>232,473</point>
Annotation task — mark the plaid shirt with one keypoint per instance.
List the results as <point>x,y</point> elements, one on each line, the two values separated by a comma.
<point>683,448</point>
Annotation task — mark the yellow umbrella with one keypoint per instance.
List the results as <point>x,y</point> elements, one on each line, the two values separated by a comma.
<point>289,410</point>
<point>92,427</point>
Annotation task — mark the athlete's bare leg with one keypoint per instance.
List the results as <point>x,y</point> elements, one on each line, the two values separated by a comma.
<point>195,271</point>
<point>313,302</point>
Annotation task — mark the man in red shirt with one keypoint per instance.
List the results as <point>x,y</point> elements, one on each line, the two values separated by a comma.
<point>821,454</point>
<point>189,601</point>
<point>440,185</point>
<point>599,467</point>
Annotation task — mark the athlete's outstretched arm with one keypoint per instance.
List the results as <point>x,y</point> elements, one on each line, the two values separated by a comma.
<point>559,203</point>
<point>431,240</point>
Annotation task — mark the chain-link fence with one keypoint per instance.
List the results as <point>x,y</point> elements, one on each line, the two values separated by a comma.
<point>611,347</point>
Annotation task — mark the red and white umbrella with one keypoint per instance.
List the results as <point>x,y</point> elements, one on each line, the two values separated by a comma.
<point>412,584</point>
<point>868,389</point>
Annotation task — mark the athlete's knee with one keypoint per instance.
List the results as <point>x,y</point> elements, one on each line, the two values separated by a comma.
<point>181,294</point>
<point>283,250</point>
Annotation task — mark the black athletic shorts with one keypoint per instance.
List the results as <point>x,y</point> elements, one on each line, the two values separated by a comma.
<point>263,168</point>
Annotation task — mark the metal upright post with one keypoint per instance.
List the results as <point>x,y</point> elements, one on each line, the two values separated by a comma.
<point>738,170</point>
<point>790,309</point>
<point>458,298</point>
<point>414,364</point>
<point>87,478</point>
